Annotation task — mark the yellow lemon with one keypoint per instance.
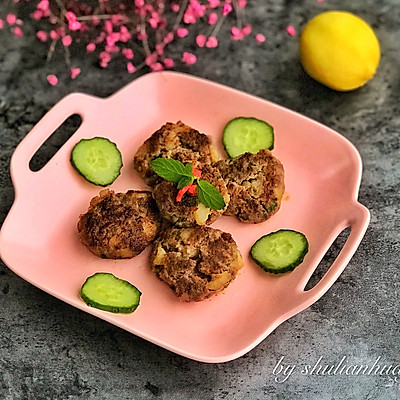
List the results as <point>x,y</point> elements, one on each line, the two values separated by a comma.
<point>339,50</point>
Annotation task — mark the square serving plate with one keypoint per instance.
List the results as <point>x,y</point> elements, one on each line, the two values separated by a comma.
<point>39,239</point>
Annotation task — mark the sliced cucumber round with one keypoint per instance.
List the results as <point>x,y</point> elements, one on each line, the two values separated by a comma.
<point>280,251</point>
<point>247,135</point>
<point>109,293</point>
<point>98,160</point>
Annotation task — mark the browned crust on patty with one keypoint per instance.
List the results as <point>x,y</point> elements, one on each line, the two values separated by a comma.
<point>196,263</point>
<point>256,185</point>
<point>177,141</point>
<point>119,225</point>
<point>185,213</point>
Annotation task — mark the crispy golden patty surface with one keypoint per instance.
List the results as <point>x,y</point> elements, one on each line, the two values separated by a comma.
<point>255,184</point>
<point>177,141</point>
<point>196,263</point>
<point>119,225</point>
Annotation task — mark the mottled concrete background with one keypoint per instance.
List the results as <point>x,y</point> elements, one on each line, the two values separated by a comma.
<point>49,350</point>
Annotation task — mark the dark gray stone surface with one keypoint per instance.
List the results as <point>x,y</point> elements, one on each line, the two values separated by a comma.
<point>49,350</point>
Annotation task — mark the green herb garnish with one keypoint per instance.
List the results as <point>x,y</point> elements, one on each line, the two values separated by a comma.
<point>174,171</point>
<point>171,170</point>
<point>209,195</point>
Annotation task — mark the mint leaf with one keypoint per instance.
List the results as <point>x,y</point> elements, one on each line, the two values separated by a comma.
<point>209,195</point>
<point>189,169</point>
<point>171,170</point>
<point>184,181</point>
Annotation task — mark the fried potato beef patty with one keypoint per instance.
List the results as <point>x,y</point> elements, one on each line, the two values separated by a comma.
<point>255,184</point>
<point>177,141</point>
<point>119,225</point>
<point>196,263</point>
<point>189,211</point>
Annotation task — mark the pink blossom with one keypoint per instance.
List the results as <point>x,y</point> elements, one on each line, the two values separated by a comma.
<point>37,14</point>
<point>190,16</point>
<point>201,40</point>
<point>260,38</point>
<point>236,33</point>
<point>160,49</point>
<point>105,57</point>
<point>226,9</point>
<point>52,79</point>
<point>54,35</point>
<point>130,67</point>
<point>124,34</point>
<point>74,25</point>
<point>242,3</point>
<point>41,35</point>
<point>111,49</point>
<point>17,31</point>
<point>66,40</point>
<point>108,26</point>
<point>139,3</point>
<point>212,18</point>
<point>151,59</point>
<point>290,30</point>
<point>43,5</point>
<point>175,7</point>
<point>156,67</point>
<point>246,30</point>
<point>90,47</point>
<point>189,58</point>
<point>212,42</point>
<point>169,37</point>
<point>153,21</point>
<point>110,40</point>
<point>70,16</point>
<point>74,72</point>
<point>195,5</point>
<point>199,10</point>
<point>115,36</point>
<point>1,24</point>
<point>168,62</point>
<point>194,11</point>
<point>182,32</point>
<point>11,19</point>
<point>127,53</point>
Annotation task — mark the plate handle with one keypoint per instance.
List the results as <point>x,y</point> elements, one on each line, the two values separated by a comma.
<point>358,218</point>
<point>74,103</point>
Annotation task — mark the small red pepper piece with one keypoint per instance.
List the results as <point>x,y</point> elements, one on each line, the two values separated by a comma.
<point>196,172</point>
<point>192,189</point>
<point>181,193</point>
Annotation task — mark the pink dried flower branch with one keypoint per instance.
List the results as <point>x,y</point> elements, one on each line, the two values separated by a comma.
<point>136,32</point>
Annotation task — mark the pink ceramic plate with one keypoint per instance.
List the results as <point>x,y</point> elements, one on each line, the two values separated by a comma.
<point>39,238</point>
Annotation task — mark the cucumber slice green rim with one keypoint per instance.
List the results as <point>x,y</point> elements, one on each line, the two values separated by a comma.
<point>247,135</point>
<point>109,293</point>
<point>98,160</point>
<point>280,251</point>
